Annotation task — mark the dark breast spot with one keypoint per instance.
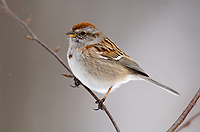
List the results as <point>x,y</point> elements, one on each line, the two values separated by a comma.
<point>70,56</point>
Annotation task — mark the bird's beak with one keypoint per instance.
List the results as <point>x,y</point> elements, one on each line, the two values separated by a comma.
<point>71,34</point>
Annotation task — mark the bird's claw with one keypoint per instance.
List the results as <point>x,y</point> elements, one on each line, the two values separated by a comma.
<point>100,104</point>
<point>76,83</point>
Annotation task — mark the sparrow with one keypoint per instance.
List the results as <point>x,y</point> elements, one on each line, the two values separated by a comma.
<point>99,64</point>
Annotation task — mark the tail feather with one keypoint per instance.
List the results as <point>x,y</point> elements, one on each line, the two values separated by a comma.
<point>168,89</point>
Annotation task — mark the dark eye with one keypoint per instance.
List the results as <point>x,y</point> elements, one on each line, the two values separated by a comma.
<point>83,33</point>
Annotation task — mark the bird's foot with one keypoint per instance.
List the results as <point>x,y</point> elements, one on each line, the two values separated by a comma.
<point>100,104</point>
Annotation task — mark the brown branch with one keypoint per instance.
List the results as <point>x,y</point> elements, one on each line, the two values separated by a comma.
<point>104,108</point>
<point>185,113</point>
<point>32,35</point>
<point>188,122</point>
<point>34,38</point>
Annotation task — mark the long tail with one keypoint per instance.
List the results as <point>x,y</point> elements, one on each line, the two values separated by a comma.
<point>168,89</point>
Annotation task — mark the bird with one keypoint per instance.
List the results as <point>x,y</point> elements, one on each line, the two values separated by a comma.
<point>98,62</point>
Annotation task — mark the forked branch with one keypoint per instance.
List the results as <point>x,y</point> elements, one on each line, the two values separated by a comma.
<point>54,53</point>
<point>34,38</point>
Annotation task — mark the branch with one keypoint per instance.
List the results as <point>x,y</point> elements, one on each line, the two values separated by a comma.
<point>185,113</point>
<point>34,38</point>
<point>32,35</point>
<point>188,122</point>
<point>104,108</point>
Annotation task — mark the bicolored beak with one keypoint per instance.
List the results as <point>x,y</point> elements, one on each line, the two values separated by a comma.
<point>71,34</point>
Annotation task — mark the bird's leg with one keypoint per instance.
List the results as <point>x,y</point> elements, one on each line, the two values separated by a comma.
<point>100,102</point>
<point>76,81</point>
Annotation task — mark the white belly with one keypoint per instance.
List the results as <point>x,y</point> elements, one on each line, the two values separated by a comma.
<point>93,83</point>
<point>86,74</point>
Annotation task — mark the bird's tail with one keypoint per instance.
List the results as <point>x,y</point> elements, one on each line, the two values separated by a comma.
<point>168,89</point>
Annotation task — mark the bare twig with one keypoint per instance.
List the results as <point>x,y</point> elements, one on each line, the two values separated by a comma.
<point>188,122</point>
<point>111,118</point>
<point>105,109</point>
<point>34,38</point>
<point>32,35</point>
<point>185,113</point>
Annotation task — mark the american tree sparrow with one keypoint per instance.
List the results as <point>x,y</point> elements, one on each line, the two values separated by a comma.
<point>99,64</point>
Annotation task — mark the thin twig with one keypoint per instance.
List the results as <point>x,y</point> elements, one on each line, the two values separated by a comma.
<point>4,3</point>
<point>34,38</point>
<point>111,118</point>
<point>104,108</point>
<point>185,113</point>
<point>188,122</point>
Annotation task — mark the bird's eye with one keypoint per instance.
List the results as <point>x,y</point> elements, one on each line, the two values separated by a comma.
<point>83,33</point>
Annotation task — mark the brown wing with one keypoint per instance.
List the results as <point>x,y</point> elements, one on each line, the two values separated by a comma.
<point>111,51</point>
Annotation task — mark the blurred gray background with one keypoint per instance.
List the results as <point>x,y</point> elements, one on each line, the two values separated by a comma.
<point>163,36</point>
